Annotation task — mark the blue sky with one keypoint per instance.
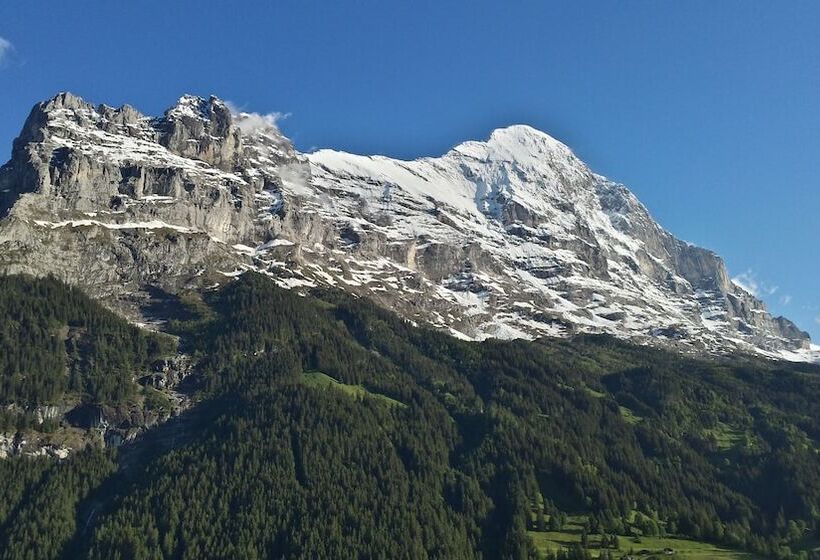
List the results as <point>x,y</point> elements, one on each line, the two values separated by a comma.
<point>709,111</point>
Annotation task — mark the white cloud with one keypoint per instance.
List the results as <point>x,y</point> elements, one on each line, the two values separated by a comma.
<point>6,48</point>
<point>785,299</point>
<point>749,282</point>
<point>817,320</point>
<point>250,122</point>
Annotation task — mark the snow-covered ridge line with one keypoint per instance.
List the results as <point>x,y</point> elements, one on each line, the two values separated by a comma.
<point>513,236</point>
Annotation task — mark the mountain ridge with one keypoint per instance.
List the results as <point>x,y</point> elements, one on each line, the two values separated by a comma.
<point>510,237</point>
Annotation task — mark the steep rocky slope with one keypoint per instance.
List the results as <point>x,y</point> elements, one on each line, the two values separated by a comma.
<point>511,237</point>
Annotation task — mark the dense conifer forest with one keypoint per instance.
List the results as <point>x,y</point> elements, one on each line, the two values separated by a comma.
<point>326,427</point>
<point>57,345</point>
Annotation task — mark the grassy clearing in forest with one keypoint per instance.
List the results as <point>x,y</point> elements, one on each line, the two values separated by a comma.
<point>640,547</point>
<point>322,380</point>
<point>648,546</point>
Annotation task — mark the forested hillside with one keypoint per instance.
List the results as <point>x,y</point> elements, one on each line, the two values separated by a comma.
<point>327,427</point>
<point>59,348</point>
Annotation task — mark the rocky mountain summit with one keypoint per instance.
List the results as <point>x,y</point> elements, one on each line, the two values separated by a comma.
<point>510,237</point>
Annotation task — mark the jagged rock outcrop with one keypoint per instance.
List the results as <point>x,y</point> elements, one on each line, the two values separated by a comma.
<point>509,237</point>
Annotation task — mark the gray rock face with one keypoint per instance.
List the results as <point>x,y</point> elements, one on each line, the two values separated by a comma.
<point>203,130</point>
<point>510,237</point>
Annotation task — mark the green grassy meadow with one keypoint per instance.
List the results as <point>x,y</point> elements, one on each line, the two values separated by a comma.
<point>321,380</point>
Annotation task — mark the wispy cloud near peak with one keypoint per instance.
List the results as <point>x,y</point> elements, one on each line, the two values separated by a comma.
<point>749,282</point>
<point>6,48</point>
<point>250,121</point>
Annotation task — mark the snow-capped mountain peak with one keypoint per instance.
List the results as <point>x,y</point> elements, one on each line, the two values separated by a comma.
<point>512,236</point>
